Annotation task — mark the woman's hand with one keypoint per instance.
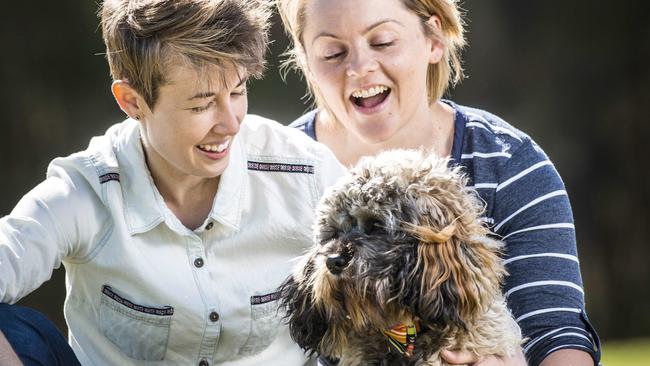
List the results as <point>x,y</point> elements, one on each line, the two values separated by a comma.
<point>458,357</point>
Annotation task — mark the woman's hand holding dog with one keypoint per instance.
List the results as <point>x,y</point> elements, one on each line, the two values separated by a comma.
<point>469,358</point>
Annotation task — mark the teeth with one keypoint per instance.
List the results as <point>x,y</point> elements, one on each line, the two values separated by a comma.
<point>367,93</point>
<point>223,146</point>
<point>215,148</point>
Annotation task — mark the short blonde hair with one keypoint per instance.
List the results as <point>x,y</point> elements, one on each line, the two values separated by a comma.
<point>440,76</point>
<point>142,37</point>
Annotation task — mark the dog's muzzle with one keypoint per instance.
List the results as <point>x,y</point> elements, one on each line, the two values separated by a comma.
<point>336,263</point>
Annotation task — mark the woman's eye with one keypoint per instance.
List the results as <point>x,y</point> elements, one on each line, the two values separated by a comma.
<point>382,44</point>
<point>333,56</point>
<point>202,108</point>
<point>240,92</point>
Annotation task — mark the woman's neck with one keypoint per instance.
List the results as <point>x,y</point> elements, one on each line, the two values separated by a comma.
<point>190,198</point>
<point>434,130</point>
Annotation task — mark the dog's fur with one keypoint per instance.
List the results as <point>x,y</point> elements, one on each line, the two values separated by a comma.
<point>413,249</point>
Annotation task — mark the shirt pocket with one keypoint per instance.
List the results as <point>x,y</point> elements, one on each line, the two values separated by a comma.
<point>265,323</point>
<point>141,332</point>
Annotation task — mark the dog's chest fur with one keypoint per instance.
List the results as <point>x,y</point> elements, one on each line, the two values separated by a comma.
<point>375,350</point>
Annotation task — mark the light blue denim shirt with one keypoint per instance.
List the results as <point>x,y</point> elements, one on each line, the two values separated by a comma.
<point>143,288</point>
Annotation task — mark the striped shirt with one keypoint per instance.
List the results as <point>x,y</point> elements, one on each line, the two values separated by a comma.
<point>528,208</point>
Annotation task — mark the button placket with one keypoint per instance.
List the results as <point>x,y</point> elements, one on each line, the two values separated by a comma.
<point>212,323</point>
<point>197,252</point>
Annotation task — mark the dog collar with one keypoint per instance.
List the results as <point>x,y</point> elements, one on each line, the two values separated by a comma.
<point>402,337</point>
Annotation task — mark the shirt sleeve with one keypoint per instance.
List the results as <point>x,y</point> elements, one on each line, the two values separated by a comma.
<point>544,290</point>
<point>51,223</point>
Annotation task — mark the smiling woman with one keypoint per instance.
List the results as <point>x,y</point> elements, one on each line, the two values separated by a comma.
<point>187,134</point>
<point>378,70</point>
<point>155,219</point>
<point>370,70</point>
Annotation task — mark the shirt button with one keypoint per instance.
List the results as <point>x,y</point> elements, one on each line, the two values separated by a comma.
<point>214,316</point>
<point>204,363</point>
<point>209,226</point>
<point>198,262</point>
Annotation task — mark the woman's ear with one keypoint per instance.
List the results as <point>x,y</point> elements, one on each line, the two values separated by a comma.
<point>437,45</point>
<point>128,99</point>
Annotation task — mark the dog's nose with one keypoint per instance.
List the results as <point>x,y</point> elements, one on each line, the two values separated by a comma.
<point>335,263</point>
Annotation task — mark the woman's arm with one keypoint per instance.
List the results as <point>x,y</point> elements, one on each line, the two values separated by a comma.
<point>561,357</point>
<point>7,355</point>
<point>564,357</point>
<point>532,214</point>
<point>31,246</point>
<point>57,219</point>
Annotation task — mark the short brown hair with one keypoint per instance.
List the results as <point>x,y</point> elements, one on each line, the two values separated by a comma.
<point>143,36</point>
<point>440,76</point>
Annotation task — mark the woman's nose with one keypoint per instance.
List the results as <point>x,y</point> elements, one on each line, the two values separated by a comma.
<point>361,63</point>
<point>228,121</point>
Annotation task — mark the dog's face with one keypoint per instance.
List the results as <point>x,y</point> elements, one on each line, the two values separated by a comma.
<point>398,239</point>
<point>364,260</point>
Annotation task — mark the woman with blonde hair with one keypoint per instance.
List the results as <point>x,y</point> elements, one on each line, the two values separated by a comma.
<point>378,70</point>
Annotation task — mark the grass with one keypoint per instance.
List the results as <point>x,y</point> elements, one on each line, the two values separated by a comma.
<point>634,352</point>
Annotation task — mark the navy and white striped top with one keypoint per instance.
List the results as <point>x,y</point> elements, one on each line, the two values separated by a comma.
<point>528,207</point>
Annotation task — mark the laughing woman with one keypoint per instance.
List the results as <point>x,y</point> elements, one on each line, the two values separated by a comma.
<point>377,70</point>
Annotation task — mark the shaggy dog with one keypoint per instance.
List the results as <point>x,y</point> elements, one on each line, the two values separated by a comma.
<point>402,268</point>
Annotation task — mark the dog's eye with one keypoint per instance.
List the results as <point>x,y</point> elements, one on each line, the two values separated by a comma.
<point>370,226</point>
<point>376,227</point>
<point>325,234</point>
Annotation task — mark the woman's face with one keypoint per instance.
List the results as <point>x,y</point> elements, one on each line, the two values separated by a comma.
<point>190,130</point>
<point>369,61</point>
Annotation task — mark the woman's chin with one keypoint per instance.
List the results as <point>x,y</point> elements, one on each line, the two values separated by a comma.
<point>376,133</point>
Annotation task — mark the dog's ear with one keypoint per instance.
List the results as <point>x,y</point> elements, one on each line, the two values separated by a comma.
<point>456,275</point>
<point>307,324</point>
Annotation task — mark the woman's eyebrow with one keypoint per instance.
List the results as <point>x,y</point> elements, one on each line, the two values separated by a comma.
<point>366,30</point>
<point>201,95</point>
<point>381,22</point>
<point>210,94</point>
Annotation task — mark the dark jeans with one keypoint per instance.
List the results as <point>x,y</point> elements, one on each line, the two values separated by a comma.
<point>34,337</point>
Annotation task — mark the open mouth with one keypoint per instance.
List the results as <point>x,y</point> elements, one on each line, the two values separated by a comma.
<point>370,98</point>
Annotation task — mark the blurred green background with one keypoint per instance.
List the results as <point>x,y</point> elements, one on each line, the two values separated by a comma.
<point>572,74</point>
<point>632,352</point>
